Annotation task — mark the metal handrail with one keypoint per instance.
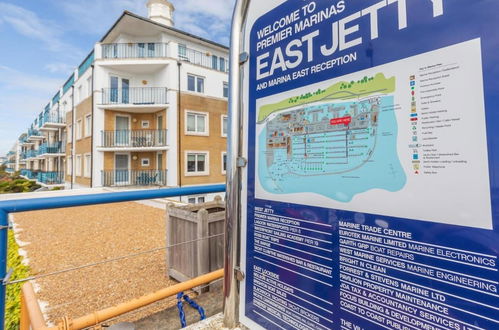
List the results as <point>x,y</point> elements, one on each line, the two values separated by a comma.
<point>135,95</point>
<point>122,178</point>
<point>134,50</point>
<point>134,138</point>
<point>32,317</point>
<point>46,203</point>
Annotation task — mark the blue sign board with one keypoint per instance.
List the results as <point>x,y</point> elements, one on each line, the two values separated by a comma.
<point>372,181</point>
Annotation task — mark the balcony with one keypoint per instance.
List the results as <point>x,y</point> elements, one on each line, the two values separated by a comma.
<point>134,50</point>
<point>51,149</point>
<point>34,134</point>
<point>31,154</point>
<point>50,178</point>
<point>29,174</point>
<point>130,139</point>
<point>203,59</point>
<point>52,120</point>
<point>135,96</point>
<point>123,178</point>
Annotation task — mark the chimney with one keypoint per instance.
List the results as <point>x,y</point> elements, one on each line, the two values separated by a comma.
<point>160,11</point>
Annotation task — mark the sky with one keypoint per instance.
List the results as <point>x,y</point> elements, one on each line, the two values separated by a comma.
<point>43,41</point>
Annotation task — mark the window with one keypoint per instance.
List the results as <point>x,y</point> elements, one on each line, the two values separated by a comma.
<point>88,125</point>
<point>194,200</point>
<point>69,164</point>
<point>197,163</point>
<point>78,129</point>
<point>78,165</point>
<point>224,126</point>
<point>70,133</point>
<point>195,83</point>
<point>226,89</point>
<point>144,162</point>
<point>196,123</point>
<point>89,86</point>
<point>224,162</point>
<point>182,52</point>
<point>87,166</point>
<point>144,123</point>
<point>214,62</point>
<point>80,93</point>
<point>222,64</point>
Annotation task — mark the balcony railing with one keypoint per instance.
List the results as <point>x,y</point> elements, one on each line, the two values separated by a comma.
<point>52,118</point>
<point>30,174</point>
<point>117,178</point>
<point>203,59</point>
<point>134,50</point>
<point>34,132</point>
<point>50,177</point>
<point>31,153</point>
<point>134,138</point>
<point>53,148</point>
<point>135,95</point>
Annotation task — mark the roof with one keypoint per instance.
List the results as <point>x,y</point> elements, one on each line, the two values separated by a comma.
<point>172,29</point>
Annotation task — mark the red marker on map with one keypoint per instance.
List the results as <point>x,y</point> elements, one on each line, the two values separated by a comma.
<point>342,120</point>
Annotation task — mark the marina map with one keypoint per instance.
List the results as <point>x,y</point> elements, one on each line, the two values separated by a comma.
<point>337,142</point>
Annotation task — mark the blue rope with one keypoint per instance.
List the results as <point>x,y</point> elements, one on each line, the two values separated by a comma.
<point>181,313</point>
<point>192,303</point>
<point>196,306</point>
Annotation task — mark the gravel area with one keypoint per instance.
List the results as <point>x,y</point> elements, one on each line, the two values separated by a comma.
<point>65,238</point>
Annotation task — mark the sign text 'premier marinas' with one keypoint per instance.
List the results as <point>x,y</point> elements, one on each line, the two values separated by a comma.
<point>280,59</point>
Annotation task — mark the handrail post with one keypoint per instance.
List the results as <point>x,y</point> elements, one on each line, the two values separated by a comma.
<point>4,231</point>
<point>24,320</point>
<point>233,195</point>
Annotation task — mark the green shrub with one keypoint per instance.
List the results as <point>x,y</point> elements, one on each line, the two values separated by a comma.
<point>13,303</point>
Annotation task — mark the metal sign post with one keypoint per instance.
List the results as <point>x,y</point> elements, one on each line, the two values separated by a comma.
<point>369,196</point>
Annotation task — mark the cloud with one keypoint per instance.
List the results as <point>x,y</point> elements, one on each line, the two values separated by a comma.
<point>59,68</point>
<point>29,24</point>
<point>209,19</point>
<point>22,98</point>
<point>97,16</point>
<point>13,80</point>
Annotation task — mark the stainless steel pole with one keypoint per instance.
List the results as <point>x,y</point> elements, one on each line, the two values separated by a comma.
<point>233,211</point>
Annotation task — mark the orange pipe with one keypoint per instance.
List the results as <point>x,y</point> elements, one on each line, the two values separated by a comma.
<point>30,310</point>
<point>108,313</point>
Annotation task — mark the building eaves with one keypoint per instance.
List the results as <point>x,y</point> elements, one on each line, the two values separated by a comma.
<point>126,12</point>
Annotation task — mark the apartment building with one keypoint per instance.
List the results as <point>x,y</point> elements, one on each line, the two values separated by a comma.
<point>146,108</point>
<point>41,150</point>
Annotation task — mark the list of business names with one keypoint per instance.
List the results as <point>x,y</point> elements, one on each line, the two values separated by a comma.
<point>397,282</point>
<point>310,274</point>
<point>289,252</point>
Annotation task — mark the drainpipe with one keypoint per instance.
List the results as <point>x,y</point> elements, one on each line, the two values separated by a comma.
<point>92,136</point>
<point>179,127</point>
<point>73,140</point>
<point>59,132</point>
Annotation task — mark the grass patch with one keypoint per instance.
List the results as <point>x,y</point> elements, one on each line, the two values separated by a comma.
<point>13,304</point>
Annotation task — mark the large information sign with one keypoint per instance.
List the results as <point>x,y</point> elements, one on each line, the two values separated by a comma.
<point>370,197</point>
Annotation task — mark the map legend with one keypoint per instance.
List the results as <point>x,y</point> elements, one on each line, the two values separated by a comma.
<point>414,121</point>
